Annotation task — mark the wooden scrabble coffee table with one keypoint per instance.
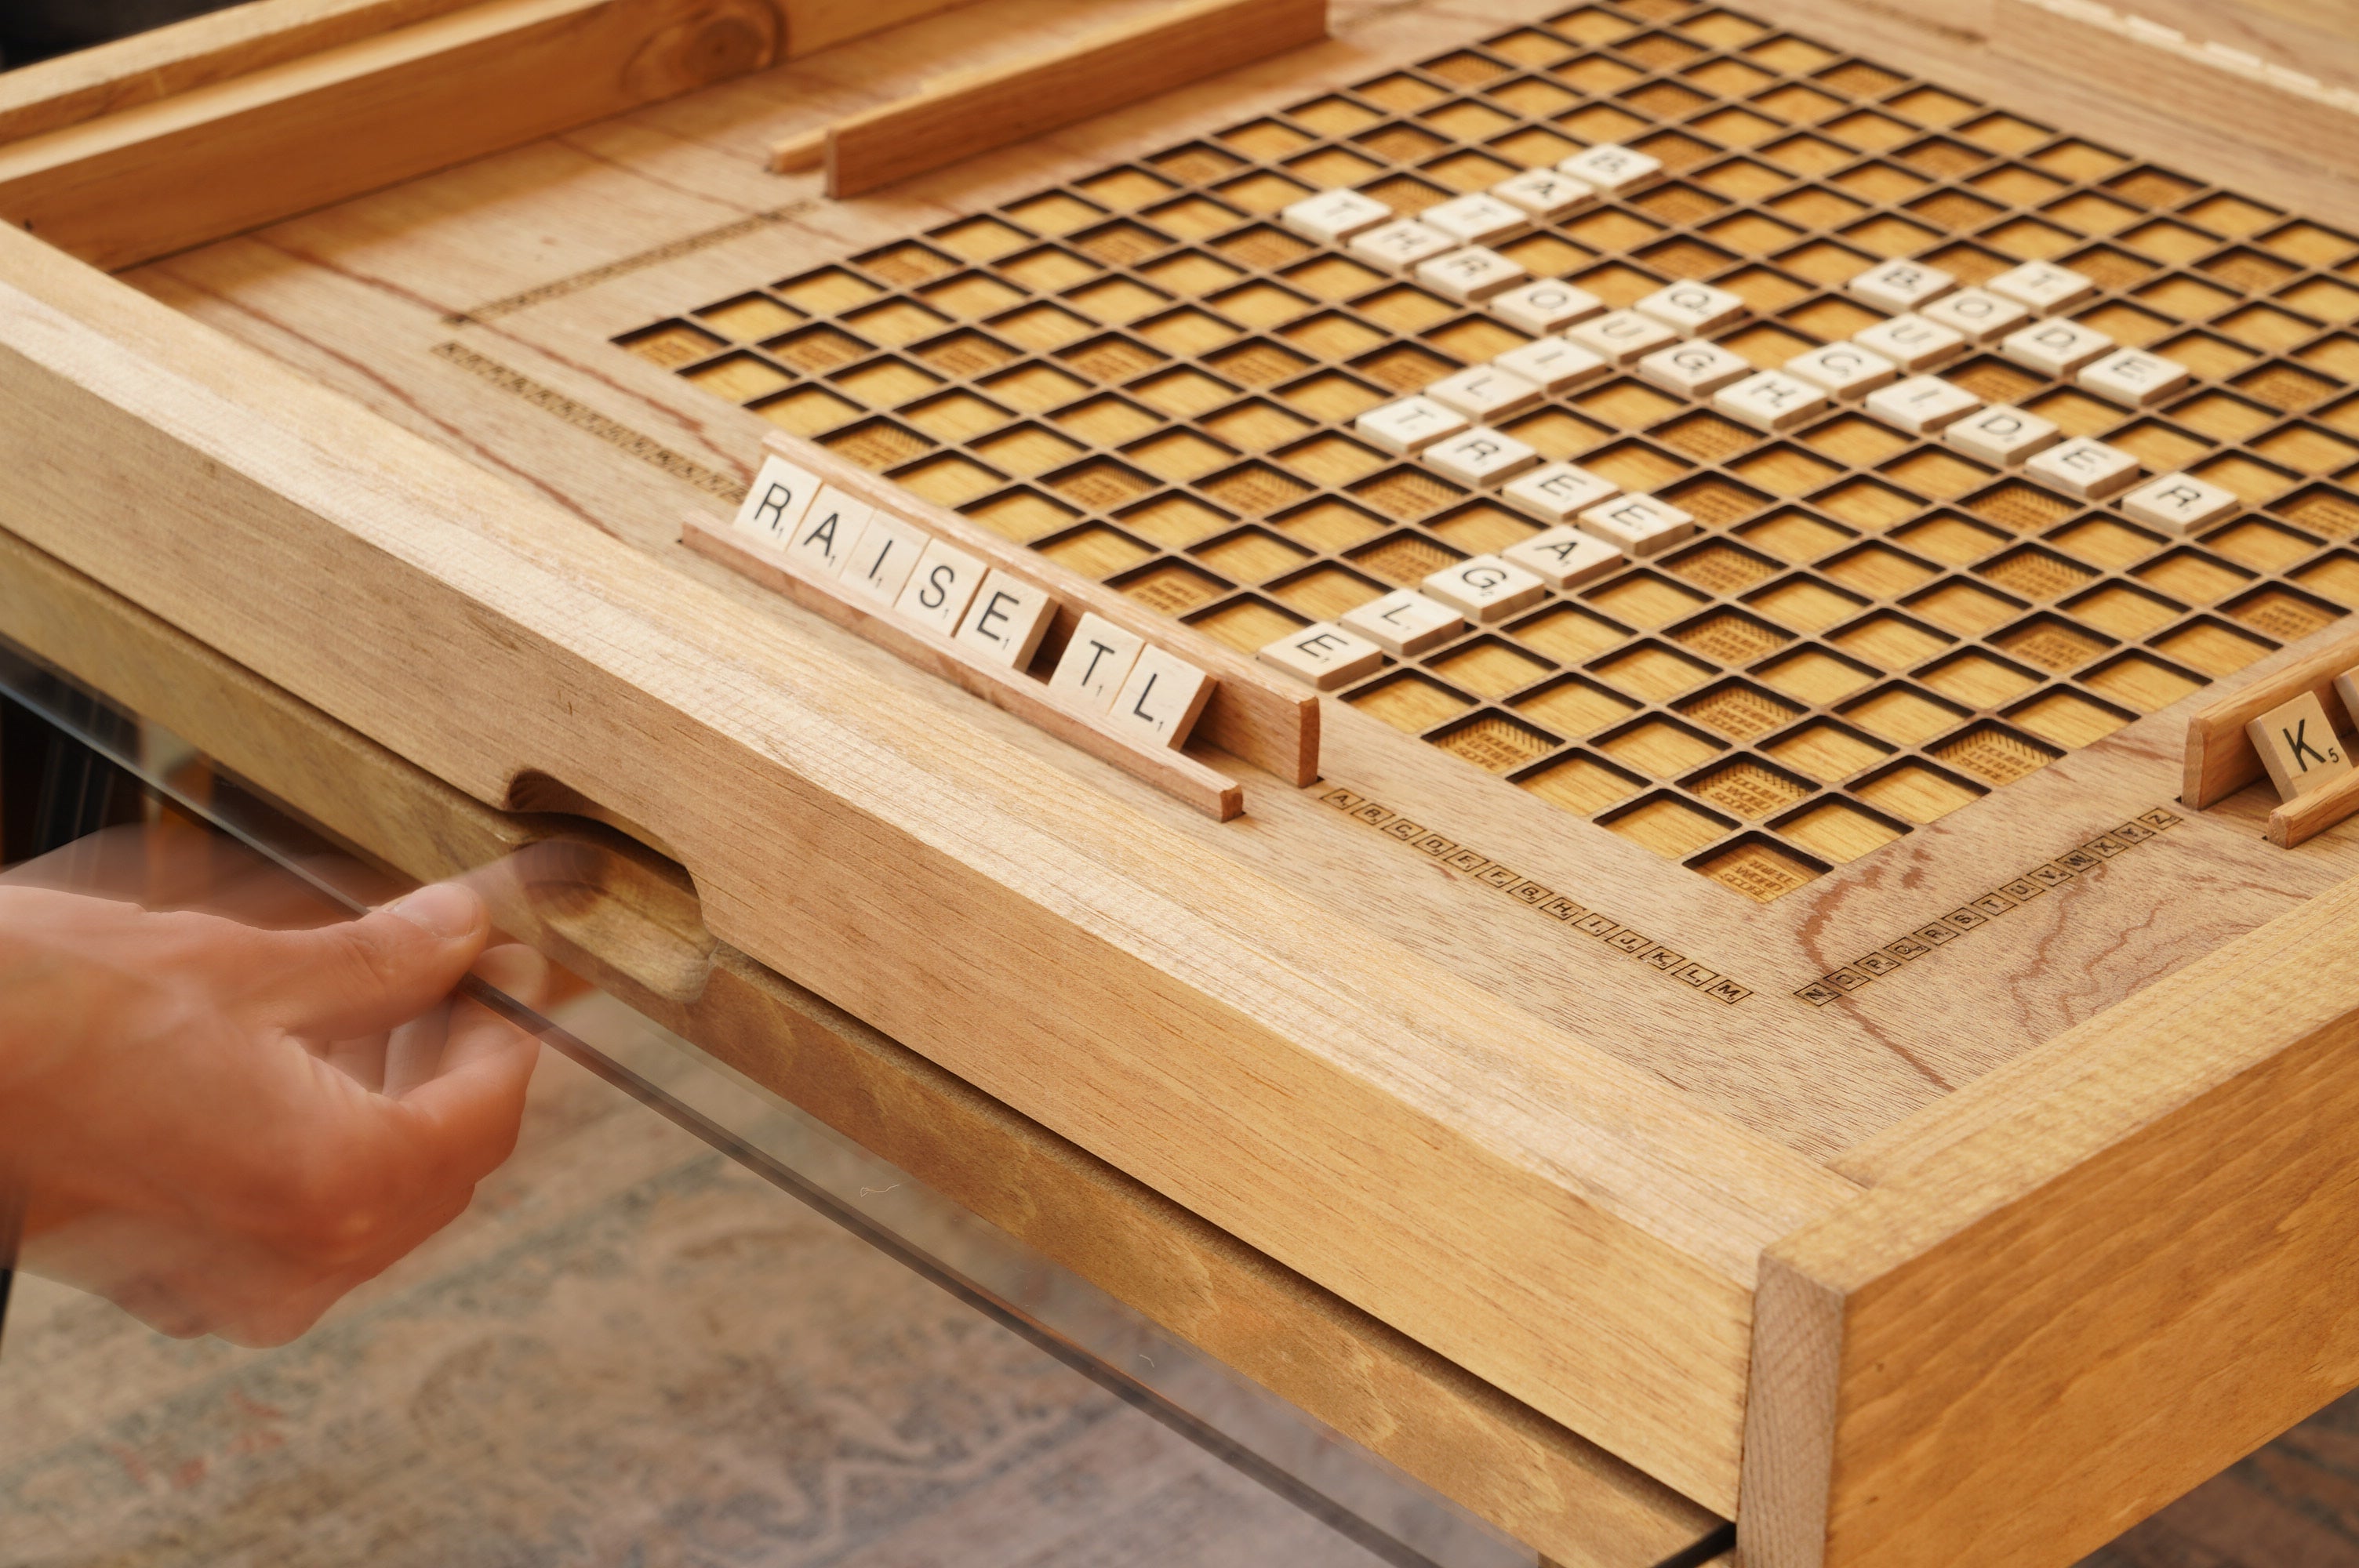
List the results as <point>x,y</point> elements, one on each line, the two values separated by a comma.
<point>1753,1033</point>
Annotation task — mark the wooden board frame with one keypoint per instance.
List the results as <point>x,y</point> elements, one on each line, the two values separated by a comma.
<point>1887,1248</point>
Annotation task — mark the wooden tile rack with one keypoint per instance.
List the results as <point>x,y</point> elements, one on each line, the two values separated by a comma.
<point>1864,1212</point>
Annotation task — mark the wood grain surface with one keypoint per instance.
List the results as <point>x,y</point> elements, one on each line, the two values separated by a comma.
<point>2079,1287</point>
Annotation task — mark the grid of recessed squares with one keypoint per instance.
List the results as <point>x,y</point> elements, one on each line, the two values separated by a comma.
<point>1145,378</point>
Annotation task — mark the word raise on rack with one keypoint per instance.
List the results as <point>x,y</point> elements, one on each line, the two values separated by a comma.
<point>1103,687</point>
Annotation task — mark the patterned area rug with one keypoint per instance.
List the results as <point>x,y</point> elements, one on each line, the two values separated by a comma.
<point>629,1352</point>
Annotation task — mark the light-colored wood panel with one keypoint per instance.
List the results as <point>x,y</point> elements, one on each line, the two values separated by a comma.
<point>982,111</point>
<point>1495,1188</point>
<point>216,159</point>
<point>1491,1453</point>
<point>2077,1287</point>
<point>2273,105</point>
<point>180,57</point>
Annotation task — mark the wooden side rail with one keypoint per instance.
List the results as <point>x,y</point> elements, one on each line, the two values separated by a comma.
<point>979,110</point>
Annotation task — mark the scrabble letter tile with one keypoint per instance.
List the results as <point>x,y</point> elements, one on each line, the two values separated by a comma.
<point>2299,746</point>
<point>938,593</point>
<point>1480,456</point>
<point>1160,698</point>
<point>1546,194</point>
<point>1400,246</point>
<point>1324,655</point>
<point>1901,285</point>
<point>823,541</point>
<point>2055,348</point>
<point>2134,378</point>
<point>2090,470</point>
<point>1693,370</point>
<point>1484,392</point>
<point>2041,286</point>
<point>1404,623</point>
<point>1692,307</point>
<point>883,557</point>
<point>1553,364</point>
<point>781,494</point>
<point>1922,404</point>
<point>1409,425</point>
<point>1912,342</point>
<point>1333,216</point>
<point>1638,525</point>
<point>1475,220</point>
<point>1095,663</point>
<point>1847,369</point>
<point>1978,313</point>
<point>1546,306</point>
<point>2179,503</point>
<point>1470,276</point>
<point>1564,557</point>
<point>1007,620</point>
<point>1486,589</point>
<point>2002,435</point>
<point>1559,492</point>
<point>1611,168</point>
<point>1770,400</point>
<point>1622,336</point>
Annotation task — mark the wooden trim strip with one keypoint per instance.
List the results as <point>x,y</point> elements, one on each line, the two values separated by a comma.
<point>1254,715</point>
<point>181,57</point>
<point>1176,774</point>
<point>2304,818</point>
<point>983,110</point>
<point>238,154</point>
<point>2220,756</point>
<point>2081,1285</point>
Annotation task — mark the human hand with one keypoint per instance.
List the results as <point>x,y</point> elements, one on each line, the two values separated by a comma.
<point>224,1128</point>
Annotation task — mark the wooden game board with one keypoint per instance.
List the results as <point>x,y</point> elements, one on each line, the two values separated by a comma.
<point>1143,375</point>
<point>2000,1102</point>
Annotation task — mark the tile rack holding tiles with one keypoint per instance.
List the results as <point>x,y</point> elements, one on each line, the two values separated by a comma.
<point>1145,377</point>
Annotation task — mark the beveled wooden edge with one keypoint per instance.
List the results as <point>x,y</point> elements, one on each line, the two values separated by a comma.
<point>2220,756</point>
<point>1490,1454</point>
<point>1176,774</point>
<point>180,57</point>
<point>2077,1287</point>
<point>980,111</point>
<point>226,122</point>
<point>1265,720</point>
